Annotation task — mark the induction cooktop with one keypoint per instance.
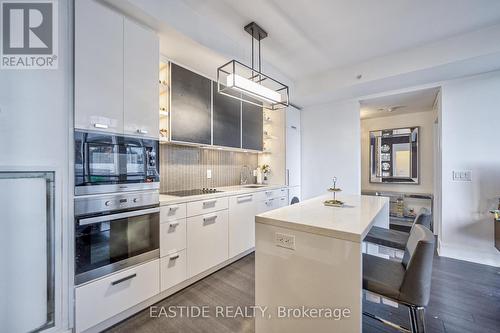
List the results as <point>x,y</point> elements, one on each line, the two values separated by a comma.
<point>187,193</point>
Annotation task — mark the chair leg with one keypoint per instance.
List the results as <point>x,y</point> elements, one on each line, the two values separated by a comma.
<point>417,319</point>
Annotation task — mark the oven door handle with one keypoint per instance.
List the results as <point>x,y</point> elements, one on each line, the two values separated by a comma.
<point>97,219</point>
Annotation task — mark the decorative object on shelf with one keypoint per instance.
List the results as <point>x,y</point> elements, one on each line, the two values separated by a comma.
<point>400,207</point>
<point>258,174</point>
<point>249,84</point>
<point>334,189</point>
<point>163,133</point>
<point>266,170</point>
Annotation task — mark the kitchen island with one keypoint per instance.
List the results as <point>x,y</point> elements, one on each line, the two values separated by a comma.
<point>308,264</point>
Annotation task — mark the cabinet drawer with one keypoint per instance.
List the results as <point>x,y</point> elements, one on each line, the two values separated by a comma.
<point>172,212</point>
<point>269,194</point>
<point>172,236</point>
<point>207,241</point>
<point>282,202</point>
<point>102,299</point>
<point>173,269</point>
<point>206,206</point>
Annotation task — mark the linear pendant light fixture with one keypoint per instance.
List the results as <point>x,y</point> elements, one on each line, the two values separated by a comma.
<point>249,84</point>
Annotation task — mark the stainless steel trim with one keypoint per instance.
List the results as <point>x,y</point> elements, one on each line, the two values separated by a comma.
<point>126,278</point>
<point>51,238</point>
<point>113,188</point>
<point>244,198</point>
<point>115,267</point>
<point>119,201</point>
<point>112,217</point>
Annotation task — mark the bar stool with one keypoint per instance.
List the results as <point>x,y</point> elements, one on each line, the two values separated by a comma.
<point>393,238</point>
<point>408,282</point>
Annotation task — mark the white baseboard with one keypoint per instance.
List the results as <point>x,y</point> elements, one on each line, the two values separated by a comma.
<point>485,256</point>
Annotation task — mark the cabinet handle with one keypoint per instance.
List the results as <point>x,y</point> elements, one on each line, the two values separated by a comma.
<point>287,177</point>
<point>142,131</point>
<point>209,218</point>
<point>206,203</point>
<point>269,192</point>
<point>173,224</point>
<point>294,127</point>
<point>114,283</point>
<point>173,208</point>
<point>174,257</point>
<point>104,126</point>
<point>245,198</point>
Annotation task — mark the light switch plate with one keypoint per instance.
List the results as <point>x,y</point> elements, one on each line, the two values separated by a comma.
<point>462,175</point>
<point>209,174</point>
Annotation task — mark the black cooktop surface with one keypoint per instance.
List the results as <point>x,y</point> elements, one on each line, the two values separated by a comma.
<point>187,193</point>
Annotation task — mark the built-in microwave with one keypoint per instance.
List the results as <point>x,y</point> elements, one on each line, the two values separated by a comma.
<point>115,231</point>
<point>107,163</point>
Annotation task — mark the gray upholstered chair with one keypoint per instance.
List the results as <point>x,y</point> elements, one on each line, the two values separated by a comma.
<point>397,239</point>
<point>407,282</point>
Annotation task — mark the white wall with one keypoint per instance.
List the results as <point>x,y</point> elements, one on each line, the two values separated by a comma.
<point>35,121</point>
<point>470,141</point>
<point>423,119</point>
<point>330,147</point>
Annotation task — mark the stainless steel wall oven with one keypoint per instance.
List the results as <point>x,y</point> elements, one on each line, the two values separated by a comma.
<point>115,231</point>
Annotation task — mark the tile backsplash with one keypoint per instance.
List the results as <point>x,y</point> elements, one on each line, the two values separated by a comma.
<point>185,168</point>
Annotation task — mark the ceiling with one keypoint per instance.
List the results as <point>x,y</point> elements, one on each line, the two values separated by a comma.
<point>307,37</point>
<point>391,105</point>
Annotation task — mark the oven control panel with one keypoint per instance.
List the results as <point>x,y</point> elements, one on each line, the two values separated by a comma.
<point>119,201</point>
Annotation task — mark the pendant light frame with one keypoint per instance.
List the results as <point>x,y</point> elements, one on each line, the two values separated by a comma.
<point>249,84</point>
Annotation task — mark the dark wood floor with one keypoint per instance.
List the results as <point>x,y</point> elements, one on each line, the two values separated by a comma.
<point>465,298</point>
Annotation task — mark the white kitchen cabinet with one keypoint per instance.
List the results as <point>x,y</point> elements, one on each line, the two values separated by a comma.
<point>104,298</point>
<point>141,100</point>
<point>172,212</point>
<point>98,67</point>
<point>207,241</point>
<point>293,151</point>
<point>206,206</point>
<point>242,211</point>
<point>282,202</point>
<point>172,236</point>
<point>267,205</point>
<point>173,269</point>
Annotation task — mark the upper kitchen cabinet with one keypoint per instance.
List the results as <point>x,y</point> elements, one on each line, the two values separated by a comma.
<point>252,126</point>
<point>226,120</point>
<point>141,101</point>
<point>190,107</point>
<point>98,67</point>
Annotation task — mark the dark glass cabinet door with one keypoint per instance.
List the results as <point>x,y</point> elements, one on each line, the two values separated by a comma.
<point>252,122</point>
<point>226,120</point>
<point>190,107</point>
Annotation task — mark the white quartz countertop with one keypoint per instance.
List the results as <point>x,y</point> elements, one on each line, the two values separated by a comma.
<point>351,222</point>
<point>226,192</point>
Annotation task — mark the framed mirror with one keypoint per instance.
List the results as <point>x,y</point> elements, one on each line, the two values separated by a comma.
<point>394,156</point>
